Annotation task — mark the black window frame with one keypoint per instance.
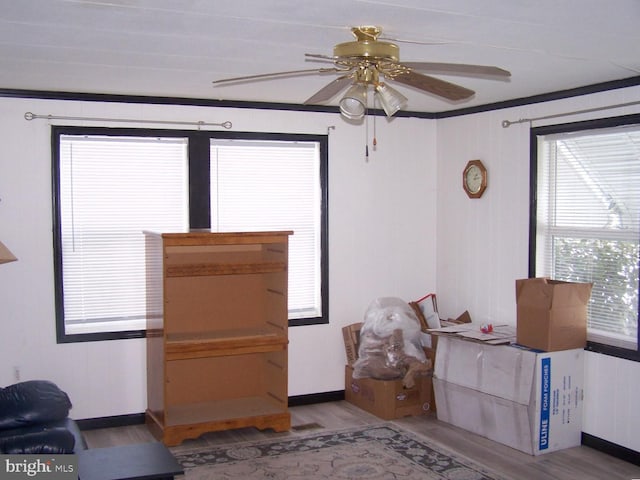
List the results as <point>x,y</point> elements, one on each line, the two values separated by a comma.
<point>535,132</point>
<point>199,207</point>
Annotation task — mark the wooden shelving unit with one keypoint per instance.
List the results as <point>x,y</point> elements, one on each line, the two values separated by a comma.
<point>217,332</point>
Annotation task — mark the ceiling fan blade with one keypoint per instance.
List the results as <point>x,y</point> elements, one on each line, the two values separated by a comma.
<point>434,85</point>
<point>329,91</point>
<point>463,69</point>
<point>319,56</point>
<point>266,76</point>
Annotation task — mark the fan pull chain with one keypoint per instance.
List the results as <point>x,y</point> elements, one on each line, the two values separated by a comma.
<point>375,140</point>
<point>366,136</point>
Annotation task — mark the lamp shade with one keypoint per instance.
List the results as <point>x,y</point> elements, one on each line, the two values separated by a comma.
<point>390,99</point>
<point>354,103</point>
<point>5,255</point>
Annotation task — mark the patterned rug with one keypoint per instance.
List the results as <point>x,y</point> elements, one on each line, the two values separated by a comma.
<point>381,451</point>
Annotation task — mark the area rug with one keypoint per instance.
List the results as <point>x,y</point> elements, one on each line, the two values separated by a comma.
<point>382,451</point>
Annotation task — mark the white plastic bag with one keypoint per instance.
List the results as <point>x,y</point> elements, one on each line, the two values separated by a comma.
<point>389,340</point>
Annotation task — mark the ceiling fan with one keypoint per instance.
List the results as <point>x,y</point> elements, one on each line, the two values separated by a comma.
<point>368,61</point>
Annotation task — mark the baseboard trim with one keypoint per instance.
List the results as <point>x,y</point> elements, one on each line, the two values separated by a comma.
<point>618,451</point>
<point>324,397</point>
<point>591,441</point>
<point>111,422</point>
<point>139,418</point>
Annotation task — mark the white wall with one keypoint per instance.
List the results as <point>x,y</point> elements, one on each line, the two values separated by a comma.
<point>482,245</point>
<point>386,238</point>
<point>381,243</point>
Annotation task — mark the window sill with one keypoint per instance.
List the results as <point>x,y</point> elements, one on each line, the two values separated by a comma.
<point>624,353</point>
<point>100,336</point>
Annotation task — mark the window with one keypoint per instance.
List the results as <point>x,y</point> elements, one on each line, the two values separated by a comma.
<point>110,190</point>
<point>586,219</point>
<point>273,185</point>
<point>112,184</point>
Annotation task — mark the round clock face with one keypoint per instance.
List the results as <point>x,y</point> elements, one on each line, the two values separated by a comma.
<point>473,179</point>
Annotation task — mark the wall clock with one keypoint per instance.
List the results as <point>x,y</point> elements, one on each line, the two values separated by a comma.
<point>474,179</point>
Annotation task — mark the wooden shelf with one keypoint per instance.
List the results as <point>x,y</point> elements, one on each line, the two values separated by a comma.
<point>196,269</point>
<point>222,410</point>
<point>191,421</point>
<point>239,336</point>
<point>226,342</point>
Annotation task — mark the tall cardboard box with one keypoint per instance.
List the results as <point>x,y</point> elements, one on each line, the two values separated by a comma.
<point>531,401</point>
<point>552,315</point>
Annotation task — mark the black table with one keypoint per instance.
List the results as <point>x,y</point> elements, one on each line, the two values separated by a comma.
<point>144,461</point>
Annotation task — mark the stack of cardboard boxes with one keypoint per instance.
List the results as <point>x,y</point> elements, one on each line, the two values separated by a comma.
<point>528,396</point>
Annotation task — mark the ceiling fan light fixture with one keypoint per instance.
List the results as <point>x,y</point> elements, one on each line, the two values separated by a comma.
<point>354,103</point>
<point>390,99</point>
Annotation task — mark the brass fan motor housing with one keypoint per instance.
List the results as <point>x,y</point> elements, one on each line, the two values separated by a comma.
<point>367,46</point>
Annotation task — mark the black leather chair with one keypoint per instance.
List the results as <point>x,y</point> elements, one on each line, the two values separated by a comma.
<point>34,420</point>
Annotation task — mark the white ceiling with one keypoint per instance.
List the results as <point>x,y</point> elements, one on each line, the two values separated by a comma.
<point>175,48</point>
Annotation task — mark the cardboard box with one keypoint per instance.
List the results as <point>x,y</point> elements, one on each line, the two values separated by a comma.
<point>388,399</point>
<point>351,336</point>
<point>552,315</point>
<point>430,353</point>
<point>531,401</point>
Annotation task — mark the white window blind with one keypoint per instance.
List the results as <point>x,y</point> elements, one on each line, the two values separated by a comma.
<point>111,190</point>
<point>274,185</point>
<point>588,223</point>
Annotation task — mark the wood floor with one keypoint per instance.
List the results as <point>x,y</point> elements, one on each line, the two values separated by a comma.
<point>582,462</point>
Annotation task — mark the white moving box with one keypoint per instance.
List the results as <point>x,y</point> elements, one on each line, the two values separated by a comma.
<point>526,399</point>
